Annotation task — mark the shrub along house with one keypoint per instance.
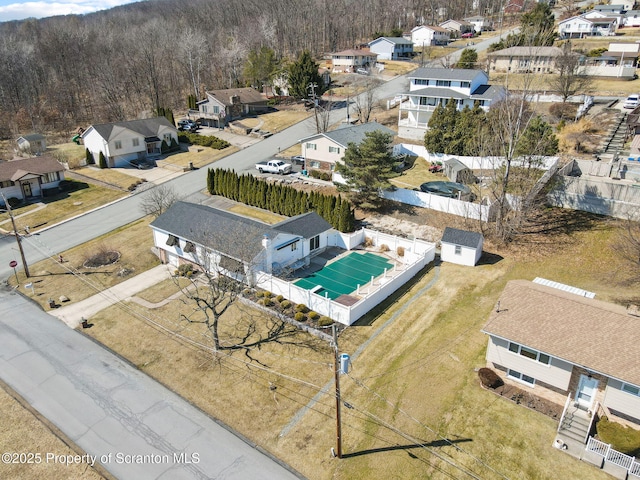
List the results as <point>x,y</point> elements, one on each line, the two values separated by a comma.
<point>123,142</point>
<point>560,343</point>
<point>237,246</point>
<point>29,178</point>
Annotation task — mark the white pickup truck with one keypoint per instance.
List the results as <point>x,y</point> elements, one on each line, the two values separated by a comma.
<point>274,166</point>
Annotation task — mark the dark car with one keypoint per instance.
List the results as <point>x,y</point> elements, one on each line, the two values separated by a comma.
<point>187,126</point>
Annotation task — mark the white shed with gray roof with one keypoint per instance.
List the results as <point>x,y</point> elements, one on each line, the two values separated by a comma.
<point>461,246</point>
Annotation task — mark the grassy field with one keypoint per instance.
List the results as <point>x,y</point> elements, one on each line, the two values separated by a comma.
<point>64,206</point>
<point>107,175</point>
<point>71,279</point>
<point>416,175</point>
<point>414,384</point>
<point>21,430</point>
<point>199,156</point>
<point>277,121</point>
<point>68,152</point>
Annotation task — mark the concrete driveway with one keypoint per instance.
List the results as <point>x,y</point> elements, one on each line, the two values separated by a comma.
<point>130,424</point>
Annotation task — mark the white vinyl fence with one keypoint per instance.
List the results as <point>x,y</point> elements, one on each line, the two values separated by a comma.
<point>613,456</point>
<point>417,254</point>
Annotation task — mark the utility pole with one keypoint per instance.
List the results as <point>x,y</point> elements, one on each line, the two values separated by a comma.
<point>18,238</point>
<point>338,401</point>
<point>312,87</point>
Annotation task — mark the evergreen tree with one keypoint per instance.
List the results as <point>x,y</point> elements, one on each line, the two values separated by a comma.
<point>174,145</point>
<point>468,59</point>
<point>102,161</point>
<point>537,139</point>
<point>442,125</point>
<point>164,148</point>
<point>537,26</point>
<point>89,157</point>
<point>367,168</point>
<point>302,75</point>
<point>210,180</point>
<point>261,66</point>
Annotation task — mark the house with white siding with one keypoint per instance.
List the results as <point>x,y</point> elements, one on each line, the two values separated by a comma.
<point>348,61</point>
<point>563,345</point>
<point>124,142</point>
<point>392,48</point>
<point>430,87</point>
<point>33,143</point>
<point>427,35</point>
<point>581,26</point>
<point>30,178</point>
<point>458,27</point>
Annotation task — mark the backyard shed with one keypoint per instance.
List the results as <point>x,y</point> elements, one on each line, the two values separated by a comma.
<point>458,172</point>
<point>461,247</point>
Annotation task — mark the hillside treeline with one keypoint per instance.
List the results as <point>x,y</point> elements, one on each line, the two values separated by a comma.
<point>65,72</point>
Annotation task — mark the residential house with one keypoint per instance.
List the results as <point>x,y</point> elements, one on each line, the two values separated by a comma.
<point>458,27</point>
<point>618,17</point>
<point>620,61</point>
<point>392,48</point>
<point>33,143</point>
<point>580,27</point>
<point>461,246</point>
<point>631,19</point>
<point>427,35</point>
<point>349,61</point>
<point>480,24</point>
<point>124,142</point>
<point>223,106</point>
<point>30,178</point>
<point>524,59</point>
<point>430,87</point>
<point>558,342</point>
<point>236,246</point>
<point>608,10</point>
<point>323,150</point>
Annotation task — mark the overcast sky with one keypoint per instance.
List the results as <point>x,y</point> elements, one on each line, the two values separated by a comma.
<point>16,10</point>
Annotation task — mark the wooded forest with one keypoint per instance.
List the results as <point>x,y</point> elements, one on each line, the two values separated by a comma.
<point>65,72</point>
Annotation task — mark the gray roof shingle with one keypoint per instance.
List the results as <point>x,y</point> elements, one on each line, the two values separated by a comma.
<point>147,127</point>
<point>461,237</point>
<point>463,74</point>
<point>353,134</point>
<point>234,235</point>
<point>36,165</point>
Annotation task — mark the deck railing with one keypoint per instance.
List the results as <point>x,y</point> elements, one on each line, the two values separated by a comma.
<point>617,458</point>
<point>564,411</point>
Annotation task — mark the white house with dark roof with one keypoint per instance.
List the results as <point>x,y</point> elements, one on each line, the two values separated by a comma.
<point>428,35</point>
<point>349,61</point>
<point>631,18</point>
<point>392,48</point>
<point>565,346</point>
<point>461,246</point>
<point>235,245</point>
<point>123,142</point>
<point>33,143</point>
<point>480,24</point>
<point>323,150</point>
<point>458,27</point>
<point>29,178</point>
<point>581,26</point>
<point>430,87</point>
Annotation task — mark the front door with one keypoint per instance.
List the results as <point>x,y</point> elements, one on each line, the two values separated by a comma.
<point>26,188</point>
<point>586,391</point>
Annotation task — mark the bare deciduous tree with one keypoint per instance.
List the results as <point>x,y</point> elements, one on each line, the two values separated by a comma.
<point>570,78</point>
<point>365,101</point>
<point>157,200</point>
<point>627,245</point>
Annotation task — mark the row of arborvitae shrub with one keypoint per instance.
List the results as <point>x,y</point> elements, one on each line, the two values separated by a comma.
<point>280,199</point>
<point>302,312</point>
<point>622,438</point>
<point>203,140</point>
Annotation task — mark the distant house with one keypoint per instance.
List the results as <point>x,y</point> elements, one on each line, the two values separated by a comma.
<point>236,246</point>
<point>430,87</point>
<point>524,59</point>
<point>461,247</point>
<point>458,27</point>
<point>562,345</point>
<point>610,9</point>
<point>631,18</point>
<point>29,178</point>
<point>323,150</point>
<point>480,24</point>
<point>580,27</point>
<point>223,106</point>
<point>617,17</point>
<point>350,60</point>
<point>123,142</point>
<point>33,143</point>
<point>620,61</point>
<point>392,48</point>
<point>427,35</point>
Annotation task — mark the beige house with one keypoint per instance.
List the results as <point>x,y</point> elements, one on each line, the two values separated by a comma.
<point>349,61</point>
<point>222,106</point>
<point>524,59</point>
<point>30,178</point>
<point>567,347</point>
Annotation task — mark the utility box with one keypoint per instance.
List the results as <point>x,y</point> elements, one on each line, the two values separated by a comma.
<point>344,363</point>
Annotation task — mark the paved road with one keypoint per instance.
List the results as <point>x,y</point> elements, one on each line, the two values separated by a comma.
<point>107,407</point>
<point>82,229</point>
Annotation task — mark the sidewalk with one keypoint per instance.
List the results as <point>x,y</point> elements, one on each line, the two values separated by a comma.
<point>72,314</point>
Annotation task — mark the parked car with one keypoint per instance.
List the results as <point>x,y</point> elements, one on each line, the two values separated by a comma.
<point>632,101</point>
<point>468,35</point>
<point>274,166</point>
<point>298,160</point>
<point>362,71</point>
<point>187,125</point>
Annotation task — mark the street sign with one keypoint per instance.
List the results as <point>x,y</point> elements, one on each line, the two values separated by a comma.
<point>13,264</point>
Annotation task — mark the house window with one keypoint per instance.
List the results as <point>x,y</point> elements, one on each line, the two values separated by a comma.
<point>521,377</point>
<point>458,250</point>
<point>631,389</point>
<point>172,241</point>
<point>311,146</point>
<point>136,142</point>
<point>465,84</point>
<point>529,353</point>
<point>167,138</point>
<point>314,243</point>
<point>6,184</point>
<point>443,83</point>
<point>189,247</point>
<point>51,177</point>
<point>334,150</point>
<point>314,164</point>
<point>294,246</point>
<point>118,144</point>
<point>216,109</point>
<point>420,81</point>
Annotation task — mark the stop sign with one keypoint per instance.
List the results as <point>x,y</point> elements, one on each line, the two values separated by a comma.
<point>13,264</point>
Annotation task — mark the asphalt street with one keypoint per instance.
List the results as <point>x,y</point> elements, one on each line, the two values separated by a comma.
<point>136,428</point>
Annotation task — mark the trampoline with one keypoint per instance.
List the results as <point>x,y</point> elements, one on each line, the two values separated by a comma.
<point>343,276</point>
